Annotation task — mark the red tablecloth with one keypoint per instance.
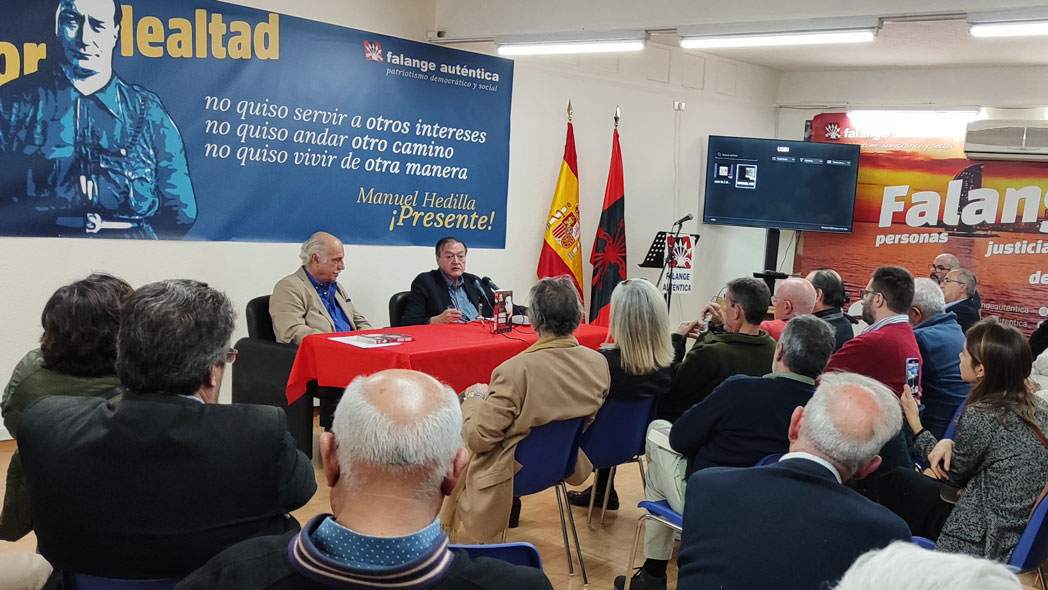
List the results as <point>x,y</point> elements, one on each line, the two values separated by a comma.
<point>457,354</point>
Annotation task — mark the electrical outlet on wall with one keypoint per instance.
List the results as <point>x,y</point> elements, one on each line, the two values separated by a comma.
<point>678,105</point>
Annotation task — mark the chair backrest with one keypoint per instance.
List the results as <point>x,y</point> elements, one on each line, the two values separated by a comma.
<point>259,322</point>
<point>770,459</point>
<point>617,433</point>
<point>1032,548</point>
<point>86,582</point>
<point>547,455</point>
<point>923,542</point>
<point>397,304</point>
<point>515,553</point>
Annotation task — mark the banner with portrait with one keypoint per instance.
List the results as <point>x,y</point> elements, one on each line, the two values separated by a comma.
<point>209,121</point>
<point>919,196</point>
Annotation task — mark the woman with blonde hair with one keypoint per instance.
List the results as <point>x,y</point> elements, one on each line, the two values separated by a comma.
<point>639,352</point>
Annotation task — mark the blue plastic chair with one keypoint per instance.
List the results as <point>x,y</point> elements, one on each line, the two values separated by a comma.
<point>923,542</point>
<point>659,512</point>
<point>770,459</point>
<point>86,582</point>
<point>616,436</point>
<point>1032,548</point>
<point>515,553</point>
<point>547,455</point>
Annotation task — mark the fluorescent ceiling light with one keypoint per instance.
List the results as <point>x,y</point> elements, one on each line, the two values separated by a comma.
<point>1023,22</point>
<point>557,43</point>
<point>779,33</point>
<point>1020,29</point>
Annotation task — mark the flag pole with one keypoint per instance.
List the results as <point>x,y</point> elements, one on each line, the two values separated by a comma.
<point>570,110</point>
<point>618,113</point>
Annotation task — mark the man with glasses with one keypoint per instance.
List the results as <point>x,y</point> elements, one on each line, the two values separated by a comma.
<point>449,294</point>
<point>881,350</point>
<point>942,265</point>
<point>154,485</point>
<point>958,287</point>
<point>734,344</point>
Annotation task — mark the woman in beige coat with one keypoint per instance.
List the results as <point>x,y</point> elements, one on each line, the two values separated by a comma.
<point>553,379</point>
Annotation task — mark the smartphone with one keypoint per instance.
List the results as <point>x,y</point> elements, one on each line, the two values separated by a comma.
<point>913,369</point>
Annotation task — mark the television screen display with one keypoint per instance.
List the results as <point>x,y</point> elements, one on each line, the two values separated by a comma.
<point>780,184</point>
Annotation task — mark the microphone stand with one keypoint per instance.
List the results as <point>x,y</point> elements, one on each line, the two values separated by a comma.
<point>669,263</point>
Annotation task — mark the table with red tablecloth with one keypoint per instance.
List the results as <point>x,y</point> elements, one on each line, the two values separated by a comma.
<point>457,354</point>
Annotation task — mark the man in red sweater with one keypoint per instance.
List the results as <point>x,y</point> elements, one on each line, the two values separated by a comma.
<point>794,296</point>
<point>881,350</point>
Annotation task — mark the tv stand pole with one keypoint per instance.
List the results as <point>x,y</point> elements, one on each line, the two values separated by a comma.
<point>771,254</point>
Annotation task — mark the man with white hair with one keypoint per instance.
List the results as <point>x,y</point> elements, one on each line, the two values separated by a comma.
<point>959,289</point>
<point>394,453</point>
<point>794,296</point>
<point>905,566</point>
<point>310,300</point>
<point>940,341</point>
<point>792,524</point>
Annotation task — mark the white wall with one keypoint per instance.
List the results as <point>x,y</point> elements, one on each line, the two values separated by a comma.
<point>733,99</point>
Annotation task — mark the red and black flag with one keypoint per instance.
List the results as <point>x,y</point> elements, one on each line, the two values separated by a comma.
<point>609,247</point>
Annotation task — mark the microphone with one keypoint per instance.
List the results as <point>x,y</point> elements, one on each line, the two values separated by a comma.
<point>489,283</point>
<point>491,287</point>
<point>687,217</point>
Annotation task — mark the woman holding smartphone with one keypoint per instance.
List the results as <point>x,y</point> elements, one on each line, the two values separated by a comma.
<point>988,478</point>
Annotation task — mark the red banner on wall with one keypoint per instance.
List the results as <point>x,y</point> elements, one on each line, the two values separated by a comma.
<point>918,197</point>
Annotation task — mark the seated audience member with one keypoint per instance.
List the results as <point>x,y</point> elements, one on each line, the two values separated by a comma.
<point>639,353</point>
<point>733,345</point>
<point>999,455</point>
<point>77,356</point>
<point>744,420</point>
<point>310,300</point>
<point>881,350</point>
<point>393,454</point>
<point>959,289</point>
<point>905,566</point>
<point>553,379</point>
<point>449,294</point>
<point>792,525</point>
<point>940,341</point>
<point>830,299</point>
<point>156,484</point>
<point>794,296</point>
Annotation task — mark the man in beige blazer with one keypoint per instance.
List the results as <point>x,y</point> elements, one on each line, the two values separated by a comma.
<point>310,300</point>
<point>554,379</point>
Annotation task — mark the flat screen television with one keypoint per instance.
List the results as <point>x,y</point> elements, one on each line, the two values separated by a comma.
<point>779,184</point>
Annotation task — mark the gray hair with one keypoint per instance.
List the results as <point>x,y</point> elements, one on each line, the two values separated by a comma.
<point>316,244</point>
<point>844,432</point>
<point>968,278</point>
<point>807,343</point>
<point>171,334</point>
<point>554,306</point>
<point>928,297</point>
<point>365,434</point>
<point>905,566</point>
<point>640,327</point>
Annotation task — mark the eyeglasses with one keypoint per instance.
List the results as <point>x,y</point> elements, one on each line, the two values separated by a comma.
<point>231,356</point>
<point>938,267</point>
<point>865,292</point>
<point>953,281</point>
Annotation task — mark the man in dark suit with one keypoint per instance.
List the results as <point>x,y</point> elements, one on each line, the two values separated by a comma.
<point>449,294</point>
<point>792,524</point>
<point>154,485</point>
<point>394,452</point>
<point>743,420</point>
<point>959,288</point>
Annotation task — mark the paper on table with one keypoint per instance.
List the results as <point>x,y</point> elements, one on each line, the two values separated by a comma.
<point>361,342</point>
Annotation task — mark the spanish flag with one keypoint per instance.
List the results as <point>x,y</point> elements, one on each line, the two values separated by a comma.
<point>562,252</point>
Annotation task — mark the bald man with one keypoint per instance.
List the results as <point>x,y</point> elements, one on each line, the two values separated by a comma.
<point>310,300</point>
<point>942,265</point>
<point>817,526</point>
<point>393,454</point>
<point>794,296</point>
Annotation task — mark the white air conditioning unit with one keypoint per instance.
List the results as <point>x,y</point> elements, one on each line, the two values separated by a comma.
<point>1007,140</point>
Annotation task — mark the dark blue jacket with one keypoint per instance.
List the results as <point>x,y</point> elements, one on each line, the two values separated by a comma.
<point>742,421</point>
<point>788,526</point>
<point>940,340</point>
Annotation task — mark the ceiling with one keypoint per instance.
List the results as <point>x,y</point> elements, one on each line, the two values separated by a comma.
<point>899,44</point>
